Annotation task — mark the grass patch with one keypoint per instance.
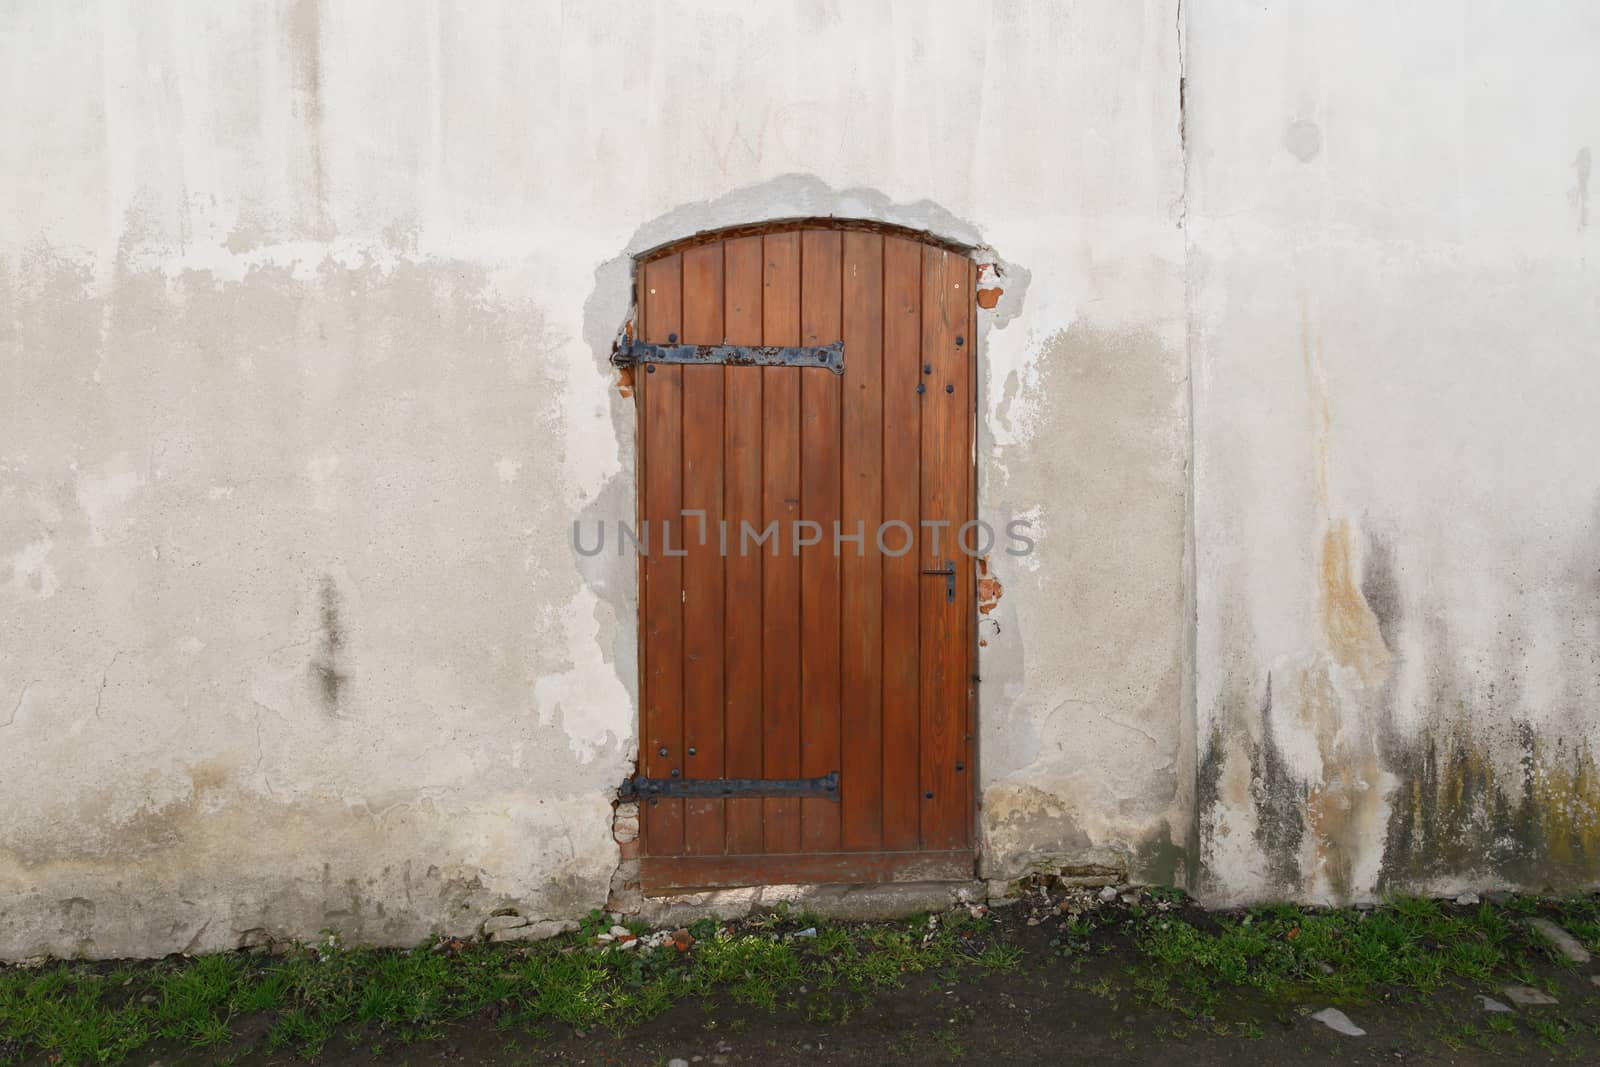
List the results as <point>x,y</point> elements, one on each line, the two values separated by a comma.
<point>1411,947</point>
<point>86,1013</point>
<point>1216,974</point>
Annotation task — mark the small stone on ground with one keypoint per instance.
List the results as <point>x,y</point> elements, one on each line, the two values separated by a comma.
<point>1339,1022</point>
<point>678,1061</point>
<point>495,923</point>
<point>1569,945</point>
<point>1491,1004</point>
<point>1528,996</point>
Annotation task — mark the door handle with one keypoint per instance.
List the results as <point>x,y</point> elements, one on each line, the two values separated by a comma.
<point>949,572</point>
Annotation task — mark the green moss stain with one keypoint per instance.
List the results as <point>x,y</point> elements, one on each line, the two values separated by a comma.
<point>1159,860</point>
<point>1454,814</point>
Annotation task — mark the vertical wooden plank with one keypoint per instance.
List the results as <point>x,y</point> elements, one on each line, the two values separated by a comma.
<point>902,504</point>
<point>742,505</point>
<point>702,567</point>
<point>945,458</point>
<point>663,427</point>
<point>969,787</point>
<point>860,565</point>
<point>780,597</point>
<point>640,511</point>
<point>820,308</point>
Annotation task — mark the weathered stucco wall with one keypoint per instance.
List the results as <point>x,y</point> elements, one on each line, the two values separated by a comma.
<point>304,317</point>
<point>1397,506</point>
<point>304,311</point>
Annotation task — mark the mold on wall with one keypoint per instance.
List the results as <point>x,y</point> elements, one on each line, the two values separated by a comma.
<point>1396,656</point>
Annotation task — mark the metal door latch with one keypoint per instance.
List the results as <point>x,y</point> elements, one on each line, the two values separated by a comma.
<point>949,572</point>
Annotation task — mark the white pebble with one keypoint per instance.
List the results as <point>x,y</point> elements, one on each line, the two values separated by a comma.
<point>1339,1022</point>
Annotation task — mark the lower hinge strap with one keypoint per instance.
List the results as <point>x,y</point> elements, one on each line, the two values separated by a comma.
<point>639,787</point>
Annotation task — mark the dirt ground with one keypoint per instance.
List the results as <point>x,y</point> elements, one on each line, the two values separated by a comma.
<point>1048,1008</point>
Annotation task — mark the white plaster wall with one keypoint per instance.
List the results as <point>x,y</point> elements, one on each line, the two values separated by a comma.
<point>1395,324</point>
<point>304,309</point>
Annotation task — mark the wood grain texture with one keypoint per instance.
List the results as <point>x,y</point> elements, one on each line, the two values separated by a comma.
<point>969,787</point>
<point>780,459</point>
<point>819,563</point>
<point>678,874</point>
<point>703,565</point>
<point>662,735</point>
<point>742,505</point>
<point>861,565</point>
<point>902,504</point>
<point>945,455</point>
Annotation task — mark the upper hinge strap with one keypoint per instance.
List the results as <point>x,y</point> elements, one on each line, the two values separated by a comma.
<point>829,357</point>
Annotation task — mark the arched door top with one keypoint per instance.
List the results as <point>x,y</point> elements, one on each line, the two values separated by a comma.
<point>829,222</point>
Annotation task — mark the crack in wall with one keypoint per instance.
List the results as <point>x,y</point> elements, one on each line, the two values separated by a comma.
<point>1190,748</point>
<point>17,709</point>
<point>105,676</point>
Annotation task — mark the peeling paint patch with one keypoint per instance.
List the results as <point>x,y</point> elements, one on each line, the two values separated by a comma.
<point>588,713</point>
<point>105,499</point>
<point>1082,702</point>
<point>1023,823</point>
<point>31,572</point>
<point>989,588</point>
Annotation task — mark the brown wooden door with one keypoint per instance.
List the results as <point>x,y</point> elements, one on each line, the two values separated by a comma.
<point>786,660</point>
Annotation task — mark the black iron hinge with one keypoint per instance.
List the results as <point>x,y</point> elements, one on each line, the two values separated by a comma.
<point>639,787</point>
<point>828,357</point>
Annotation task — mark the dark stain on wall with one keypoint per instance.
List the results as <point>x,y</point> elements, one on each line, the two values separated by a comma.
<point>1276,796</point>
<point>1279,802</point>
<point>1461,813</point>
<point>1380,587</point>
<point>1207,798</point>
<point>1454,814</point>
<point>1476,780</point>
<point>326,667</point>
<point>1159,860</point>
<point>305,40</point>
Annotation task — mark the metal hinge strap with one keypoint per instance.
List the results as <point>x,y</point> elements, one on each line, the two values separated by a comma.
<point>640,787</point>
<point>829,357</point>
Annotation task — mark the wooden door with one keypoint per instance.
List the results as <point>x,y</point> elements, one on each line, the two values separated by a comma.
<point>789,660</point>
